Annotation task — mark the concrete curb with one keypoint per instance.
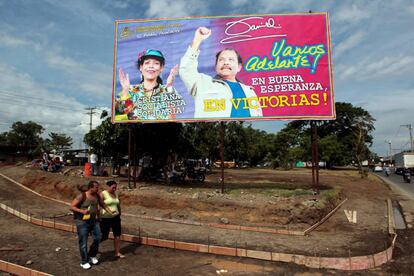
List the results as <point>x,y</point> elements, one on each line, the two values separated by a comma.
<point>313,227</point>
<point>215,225</point>
<point>341,263</point>
<point>16,269</point>
<point>391,220</point>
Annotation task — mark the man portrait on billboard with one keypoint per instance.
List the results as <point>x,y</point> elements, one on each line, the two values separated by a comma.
<point>223,96</point>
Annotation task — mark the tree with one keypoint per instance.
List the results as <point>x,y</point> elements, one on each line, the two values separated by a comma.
<point>259,145</point>
<point>340,141</point>
<point>331,150</point>
<point>353,127</point>
<point>108,139</point>
<point>288,147</point>
<point>25,134</point>
<point>58,141</point>
<point>201,140</point>
<point>236,142</point>
<point>4,139</point>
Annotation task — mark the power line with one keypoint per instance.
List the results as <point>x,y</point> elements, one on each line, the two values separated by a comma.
<point>44,123</point>
<point>38,100</point>
<point>402,145</point>
<point>18,95</point>
<point>23,102</point>
<point>411,135</point>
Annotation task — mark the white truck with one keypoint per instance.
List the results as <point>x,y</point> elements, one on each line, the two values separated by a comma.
<point>403,160</point>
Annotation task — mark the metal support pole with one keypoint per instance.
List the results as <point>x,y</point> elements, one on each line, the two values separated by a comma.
<point>129,156</point>
<point>222,129</point>
<point>389,150</point>
<point>135,161</point>
<point>315,157</point>
<point>390,153</point>
<point>411,135</point>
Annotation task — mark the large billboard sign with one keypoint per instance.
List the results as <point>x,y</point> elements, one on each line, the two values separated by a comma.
<point>238,67</point>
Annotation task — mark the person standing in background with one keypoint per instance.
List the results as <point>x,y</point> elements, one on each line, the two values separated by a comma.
<point>93,159</point>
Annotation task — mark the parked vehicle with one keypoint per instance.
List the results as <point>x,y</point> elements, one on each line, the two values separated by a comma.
<point>377,169</point>
<point>403,160</point>
<point>194,170</point>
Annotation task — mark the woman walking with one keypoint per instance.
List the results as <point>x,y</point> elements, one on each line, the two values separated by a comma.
<point>111,220</point>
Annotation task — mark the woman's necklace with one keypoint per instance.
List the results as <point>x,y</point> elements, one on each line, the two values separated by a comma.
<point>148,89</point>
<point>148,92</point>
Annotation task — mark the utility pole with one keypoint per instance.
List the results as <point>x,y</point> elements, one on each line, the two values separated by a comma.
<point>411,135</point>
<point>90,113</point>
<point>390,150</point>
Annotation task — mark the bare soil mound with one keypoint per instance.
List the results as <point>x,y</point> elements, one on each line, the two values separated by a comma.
<point>253,197</point>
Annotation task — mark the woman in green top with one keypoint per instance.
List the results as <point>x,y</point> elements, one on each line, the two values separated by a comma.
<point>111,220</point>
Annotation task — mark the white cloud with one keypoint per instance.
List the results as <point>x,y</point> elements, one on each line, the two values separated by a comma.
<point>349,43</point>
<point>173,8</point>
<point>65,63</point>
<point>274,6</point>
<point>93,78</point>
<point>371,68</point>
<point>83,10</point>
<point>120,4</point>
<point>23,99</point>
<point>410,9</point>
<point>351,14</point>
<point>390,115</point>
<point>9,37</point>
<point>10,41</point>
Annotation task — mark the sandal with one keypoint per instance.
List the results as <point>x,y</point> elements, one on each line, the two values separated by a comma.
<point>120,256</point>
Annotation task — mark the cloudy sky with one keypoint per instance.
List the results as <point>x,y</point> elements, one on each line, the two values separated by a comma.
<point>56,58</point>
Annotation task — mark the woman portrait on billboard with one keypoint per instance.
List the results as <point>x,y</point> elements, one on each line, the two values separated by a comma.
<point>150,99</point>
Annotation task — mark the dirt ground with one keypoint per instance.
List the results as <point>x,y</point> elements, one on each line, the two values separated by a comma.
<point>56,252</point>
<point>257,197</point>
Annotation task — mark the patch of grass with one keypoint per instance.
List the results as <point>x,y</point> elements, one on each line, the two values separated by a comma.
<point>330,194</point>
<point>279,192</point>
<point>296,192</point>
<point>260,185</point>
<point>326,196</point>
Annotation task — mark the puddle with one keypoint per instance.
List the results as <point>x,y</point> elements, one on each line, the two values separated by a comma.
<point>398,218</point>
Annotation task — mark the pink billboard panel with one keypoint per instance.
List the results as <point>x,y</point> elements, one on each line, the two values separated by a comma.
<point>238,67</point>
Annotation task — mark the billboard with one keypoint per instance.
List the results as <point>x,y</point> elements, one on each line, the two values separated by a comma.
<point>236,67</point>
